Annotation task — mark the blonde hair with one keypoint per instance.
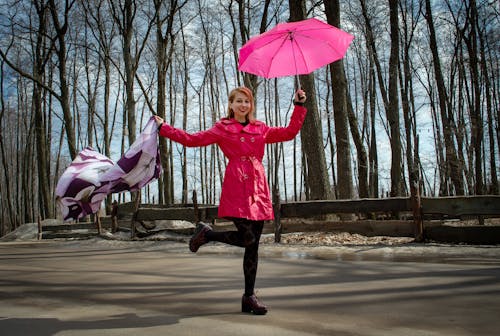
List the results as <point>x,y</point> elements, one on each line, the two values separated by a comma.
<point>248,93</point>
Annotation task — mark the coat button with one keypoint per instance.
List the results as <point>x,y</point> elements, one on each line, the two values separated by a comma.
<point>242,139</point>
<point>252,139</point>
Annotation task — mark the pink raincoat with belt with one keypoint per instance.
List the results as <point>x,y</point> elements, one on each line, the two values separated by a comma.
<point>245,191</point>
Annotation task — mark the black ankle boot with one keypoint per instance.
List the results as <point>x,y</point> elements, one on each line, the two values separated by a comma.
<point>250,304</point>
<point>198,237</point>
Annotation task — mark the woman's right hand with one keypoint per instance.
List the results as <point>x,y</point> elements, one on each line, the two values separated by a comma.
<point>159,120</point>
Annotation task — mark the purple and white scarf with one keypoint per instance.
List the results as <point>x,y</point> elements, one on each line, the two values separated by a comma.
<point>92,176</point>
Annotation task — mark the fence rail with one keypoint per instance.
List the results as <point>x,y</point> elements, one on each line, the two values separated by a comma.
<point>483,205</point>
<point>450,207</point>
<point>444,207</point>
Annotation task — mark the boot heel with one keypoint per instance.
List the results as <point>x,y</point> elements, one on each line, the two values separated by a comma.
<point>245,308</point>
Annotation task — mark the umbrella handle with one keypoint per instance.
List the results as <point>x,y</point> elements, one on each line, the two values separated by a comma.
<point>298,82</point>
<point>299,86</point>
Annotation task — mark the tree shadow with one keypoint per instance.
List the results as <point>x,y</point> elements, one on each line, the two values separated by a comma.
<point>51,326</point>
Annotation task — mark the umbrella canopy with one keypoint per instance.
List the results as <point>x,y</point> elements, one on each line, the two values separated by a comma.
<point>294,48</point>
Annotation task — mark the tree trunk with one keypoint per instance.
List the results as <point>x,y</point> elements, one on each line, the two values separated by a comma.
<point>454,172</point>
<point>6,194</point>
<point>405,82</point>
<point>45,208</point>
<point>61,30</point>
<point>311,135</point>
<point>373,154</point>
<point>475,110</point>
<point>340,114</point>
<point>494,186</point>
<point>393,108</point>
<point>164,50</point>
<point>128,59</point>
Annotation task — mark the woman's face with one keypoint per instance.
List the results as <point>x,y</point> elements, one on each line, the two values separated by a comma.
<point>240,106</point>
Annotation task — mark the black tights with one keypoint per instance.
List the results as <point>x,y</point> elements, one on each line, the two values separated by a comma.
<point>247,236</point>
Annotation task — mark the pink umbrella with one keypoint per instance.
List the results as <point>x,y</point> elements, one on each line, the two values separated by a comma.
<point>294,48</point>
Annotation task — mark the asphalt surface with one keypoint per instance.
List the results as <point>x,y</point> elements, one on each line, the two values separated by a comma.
<point>159,288</point>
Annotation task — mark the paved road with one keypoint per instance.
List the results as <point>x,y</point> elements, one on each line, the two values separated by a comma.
<point>157,288</point>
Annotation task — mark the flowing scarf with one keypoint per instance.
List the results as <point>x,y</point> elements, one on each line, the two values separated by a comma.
<point>91,177</point>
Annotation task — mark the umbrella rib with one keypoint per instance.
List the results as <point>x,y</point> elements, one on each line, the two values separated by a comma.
<point>284,39</point>
<point>278,37</point>
<point>305,36</point>
<point>294,42</point>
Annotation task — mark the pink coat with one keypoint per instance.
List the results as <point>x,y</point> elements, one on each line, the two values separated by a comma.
<point>245,191</point>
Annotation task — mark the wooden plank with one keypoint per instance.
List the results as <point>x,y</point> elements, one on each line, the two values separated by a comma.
<point>187,214</point>
<point>151,211</point>
<point>68,227</point>
<point>76,226</point>
<point>486,205</point>
<point>314,208</point>
<point>69,235</point>
<point>478,234</point>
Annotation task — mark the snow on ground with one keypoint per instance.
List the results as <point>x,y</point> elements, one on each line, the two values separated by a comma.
<point>25,232</point>
<point>340,246</point>
<point>29,232</point>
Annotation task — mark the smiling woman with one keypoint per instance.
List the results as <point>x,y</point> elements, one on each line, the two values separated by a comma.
<point>245,197</point>
<point>241,105</point>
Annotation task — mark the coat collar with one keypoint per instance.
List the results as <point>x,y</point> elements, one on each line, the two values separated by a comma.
<point>233,126</point>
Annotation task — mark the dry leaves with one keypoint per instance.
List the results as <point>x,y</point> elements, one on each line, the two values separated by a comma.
<point>335,239</point>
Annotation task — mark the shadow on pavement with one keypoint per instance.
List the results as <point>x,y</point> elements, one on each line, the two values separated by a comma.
<point>51,326</point>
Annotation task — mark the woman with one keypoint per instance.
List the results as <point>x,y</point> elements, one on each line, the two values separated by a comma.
<point>245,197</point>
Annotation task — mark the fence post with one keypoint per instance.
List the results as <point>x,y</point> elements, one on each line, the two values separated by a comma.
<point>39,228</point>
<point>416,205</point>
<point>135,214</point>
<point>114,217</point>
<point>195,208</point>
<point>277,214</point>
<point>98,223</point>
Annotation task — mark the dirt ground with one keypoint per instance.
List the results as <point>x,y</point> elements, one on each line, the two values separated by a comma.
<point>114,287</point>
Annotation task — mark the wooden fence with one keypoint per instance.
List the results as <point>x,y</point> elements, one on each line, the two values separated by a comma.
<point>416,212</point>
<point>442,207</point>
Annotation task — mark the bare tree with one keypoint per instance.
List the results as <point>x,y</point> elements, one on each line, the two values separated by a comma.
<point>471,40</point>
<point>452,164</point>
<point>61,25</point>
<point>311,136</point>
<point>41,57</point>
<point>392,109</point>
<point>409,25</point>
<point>340,113</point>
<point>124,15</point>
<point>5,194</point>
<point>485,65</point>
<point>165,42</point>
